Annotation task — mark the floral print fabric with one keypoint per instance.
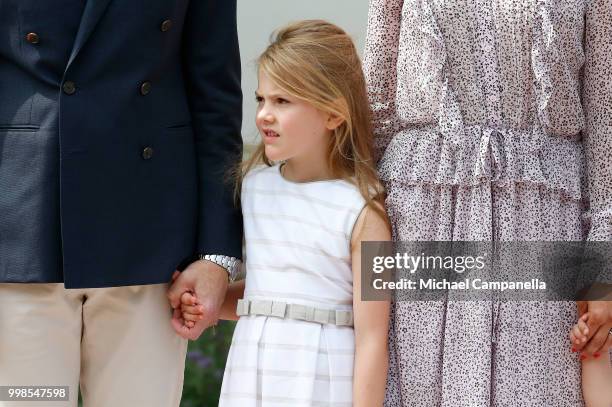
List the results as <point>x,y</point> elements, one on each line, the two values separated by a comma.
<point>493,121</point>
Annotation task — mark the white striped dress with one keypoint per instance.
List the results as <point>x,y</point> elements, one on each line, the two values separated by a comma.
<point>298,252</point>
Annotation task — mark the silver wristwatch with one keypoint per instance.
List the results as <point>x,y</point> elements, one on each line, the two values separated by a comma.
<point>231,264</point>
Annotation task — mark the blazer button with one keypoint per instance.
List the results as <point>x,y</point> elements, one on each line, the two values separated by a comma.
<point>33,38</point>
<point>166,25</point>
<point>147,153</point>
<point>69,88</point>
<point>145,88</point>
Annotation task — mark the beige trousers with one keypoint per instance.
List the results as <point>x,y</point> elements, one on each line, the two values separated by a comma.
<point>116,343</point>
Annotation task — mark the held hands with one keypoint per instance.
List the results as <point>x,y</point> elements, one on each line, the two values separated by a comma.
<point>591,334</point>
<point>201,285</point>
<point>191,309</point>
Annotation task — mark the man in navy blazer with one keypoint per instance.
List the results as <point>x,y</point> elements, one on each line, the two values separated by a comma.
<point>119,120</point>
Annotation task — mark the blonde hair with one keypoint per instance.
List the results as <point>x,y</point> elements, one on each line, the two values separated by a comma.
<point>317,62</point>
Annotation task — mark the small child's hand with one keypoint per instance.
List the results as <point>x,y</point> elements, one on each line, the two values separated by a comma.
<point>579,333</point>
<point>191,310</point>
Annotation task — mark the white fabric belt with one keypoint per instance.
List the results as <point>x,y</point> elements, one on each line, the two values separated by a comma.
<point>294,311</point>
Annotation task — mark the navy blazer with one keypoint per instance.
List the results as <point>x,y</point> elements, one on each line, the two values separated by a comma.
<point>118,122</point>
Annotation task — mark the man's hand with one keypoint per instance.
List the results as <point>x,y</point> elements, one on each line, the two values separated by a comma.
<point>209,283</point>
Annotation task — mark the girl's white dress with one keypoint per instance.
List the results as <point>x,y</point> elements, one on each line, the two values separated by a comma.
<point>297,252</point>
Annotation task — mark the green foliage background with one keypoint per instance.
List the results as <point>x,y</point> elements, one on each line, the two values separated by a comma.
<point>205,364</point>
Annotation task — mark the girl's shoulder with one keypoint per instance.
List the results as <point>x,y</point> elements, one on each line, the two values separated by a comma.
<point>372,224</point>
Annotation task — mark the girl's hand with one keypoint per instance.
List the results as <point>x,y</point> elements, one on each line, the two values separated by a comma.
<point>188,299</point>
<point>599,344</point>
<point>580,332</point>
<point>191,310</point>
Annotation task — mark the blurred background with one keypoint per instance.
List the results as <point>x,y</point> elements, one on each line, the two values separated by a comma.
<point>256,22</point>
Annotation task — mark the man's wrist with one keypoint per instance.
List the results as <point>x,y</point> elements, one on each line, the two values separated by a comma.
<point>229,263</point>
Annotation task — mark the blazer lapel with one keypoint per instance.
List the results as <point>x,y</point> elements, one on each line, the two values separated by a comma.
<point>91,15</point>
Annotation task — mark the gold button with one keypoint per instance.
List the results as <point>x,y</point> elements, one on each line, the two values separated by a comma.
<point>69,88</point>
<point>33,38</point>
<point>166,25</point>
<point>147,153</point>
<point>145,88</point>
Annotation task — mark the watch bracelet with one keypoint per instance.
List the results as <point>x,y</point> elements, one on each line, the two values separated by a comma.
<point>229,263</point>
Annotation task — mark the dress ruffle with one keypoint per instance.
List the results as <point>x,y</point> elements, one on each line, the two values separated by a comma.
<point>427,156</point>
<point>557,57</point>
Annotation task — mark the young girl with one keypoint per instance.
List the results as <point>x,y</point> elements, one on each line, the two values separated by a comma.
<point>596,370</point>
<point>304,337</point>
